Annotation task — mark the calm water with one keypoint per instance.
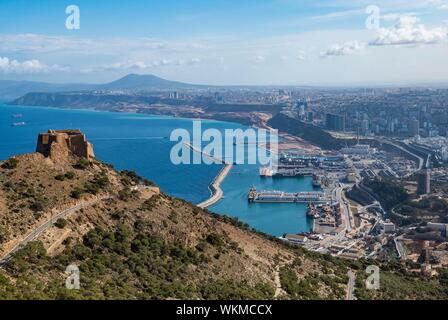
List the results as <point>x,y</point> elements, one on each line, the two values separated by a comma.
<point>140,143</point>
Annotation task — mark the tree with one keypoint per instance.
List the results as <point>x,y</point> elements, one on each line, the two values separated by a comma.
<point>61,223</point>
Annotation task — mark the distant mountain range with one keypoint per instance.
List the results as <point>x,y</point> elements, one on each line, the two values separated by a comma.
<point>10,90</point>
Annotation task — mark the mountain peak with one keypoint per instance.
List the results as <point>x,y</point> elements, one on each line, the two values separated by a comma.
<point>145,81</point>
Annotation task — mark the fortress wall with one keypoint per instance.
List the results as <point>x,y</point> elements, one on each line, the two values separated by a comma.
<point>71,140</point>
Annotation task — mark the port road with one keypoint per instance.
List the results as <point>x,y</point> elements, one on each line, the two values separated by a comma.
<point>339,196</point>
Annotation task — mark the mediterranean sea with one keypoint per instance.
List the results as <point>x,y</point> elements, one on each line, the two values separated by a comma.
<point>141,143</point>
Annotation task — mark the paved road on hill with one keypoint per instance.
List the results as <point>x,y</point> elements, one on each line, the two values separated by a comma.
<point>33,235</point>
<point>421,161</point>
<point>351,285</point>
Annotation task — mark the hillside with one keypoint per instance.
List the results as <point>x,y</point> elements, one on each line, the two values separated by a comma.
<point>132,241</point>
<point>306,131</point>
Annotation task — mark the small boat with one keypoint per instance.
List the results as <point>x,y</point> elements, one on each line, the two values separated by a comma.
<point>17,115</point>
<point>18,124</point>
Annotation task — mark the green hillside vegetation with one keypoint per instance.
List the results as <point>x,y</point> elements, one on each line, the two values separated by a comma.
<point>430,208</point>
<point>152,246</point>
<point>388,191</point>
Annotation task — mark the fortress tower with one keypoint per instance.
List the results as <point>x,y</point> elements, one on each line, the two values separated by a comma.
<point>57,143</point>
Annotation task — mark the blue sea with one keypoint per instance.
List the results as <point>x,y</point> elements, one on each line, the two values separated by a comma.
<point>141,143</point>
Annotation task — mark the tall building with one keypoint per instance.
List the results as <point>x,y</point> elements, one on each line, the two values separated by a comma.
<point>335,122</point>
<point>424,181</point>
<point>310,116</point>
<point>414,127</point>
<point>365,126</point>
<point>302,109</point>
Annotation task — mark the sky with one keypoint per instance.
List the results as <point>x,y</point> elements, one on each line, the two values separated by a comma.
<point>227,42</point>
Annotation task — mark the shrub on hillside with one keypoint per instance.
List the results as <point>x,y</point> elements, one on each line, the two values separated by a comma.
<point>81,164</point>
<point>10,163</point>
<point>61,223</point>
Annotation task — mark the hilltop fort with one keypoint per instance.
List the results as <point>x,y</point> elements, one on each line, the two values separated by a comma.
<point>57,143</point>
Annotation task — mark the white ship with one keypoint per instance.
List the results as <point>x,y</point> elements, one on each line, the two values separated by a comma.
<point>266,172</point>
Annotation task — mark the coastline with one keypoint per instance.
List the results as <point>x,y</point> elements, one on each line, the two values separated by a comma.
<point>259,217</point>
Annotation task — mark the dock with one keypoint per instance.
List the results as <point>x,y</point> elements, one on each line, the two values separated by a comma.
<point>215,186</point>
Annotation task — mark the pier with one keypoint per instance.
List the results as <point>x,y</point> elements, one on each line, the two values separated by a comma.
<point>215,186</point>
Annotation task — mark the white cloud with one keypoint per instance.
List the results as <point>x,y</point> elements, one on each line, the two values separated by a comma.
<point>408,31</point>
<point>393,17</point>
<point>440,4</point>
<point>340,14</point>
<point>301,56</point>
<point>258,59</point>
<point>27,66</point>
<point>193,61</point>
<point>345,49</point>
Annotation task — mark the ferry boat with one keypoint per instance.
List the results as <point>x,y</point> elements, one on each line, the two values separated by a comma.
<point>266,172</point>
<point>274,196</point>
<point>317,182</point>
<point>252,194</point>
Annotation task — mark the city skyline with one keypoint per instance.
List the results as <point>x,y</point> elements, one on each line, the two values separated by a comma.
<point>269,42</point>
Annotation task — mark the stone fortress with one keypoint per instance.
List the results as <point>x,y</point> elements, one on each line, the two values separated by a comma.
<point>57,144</point>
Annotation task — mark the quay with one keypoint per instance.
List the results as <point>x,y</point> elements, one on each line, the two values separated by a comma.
<point>215,186</point>
<point>284,197</point>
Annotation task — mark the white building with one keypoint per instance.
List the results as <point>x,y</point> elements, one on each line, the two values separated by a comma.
<point>296,239</point>
<point>388,227</point>
<point>360,149</point>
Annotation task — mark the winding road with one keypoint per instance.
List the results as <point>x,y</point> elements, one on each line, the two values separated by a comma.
<point>35,233</point>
